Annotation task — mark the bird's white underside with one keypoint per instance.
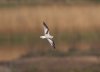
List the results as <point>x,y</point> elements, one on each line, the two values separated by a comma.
<point>46,36</point>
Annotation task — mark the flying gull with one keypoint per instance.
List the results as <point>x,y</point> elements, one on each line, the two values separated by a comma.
<point>47,35</point>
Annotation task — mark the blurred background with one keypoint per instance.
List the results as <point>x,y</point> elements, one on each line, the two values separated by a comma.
<point>75,25</point>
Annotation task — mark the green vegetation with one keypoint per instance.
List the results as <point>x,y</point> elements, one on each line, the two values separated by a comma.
<point>17,38</point>
<point>31,39</point>
<point>7,5</point>
<point>14,3</point>
<point>76,37</point>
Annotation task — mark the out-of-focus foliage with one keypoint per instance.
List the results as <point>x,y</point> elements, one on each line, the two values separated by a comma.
<point>46,2</point>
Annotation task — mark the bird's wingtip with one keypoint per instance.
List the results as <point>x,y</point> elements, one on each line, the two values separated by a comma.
<point>54,47</point>
<point>43,22</point>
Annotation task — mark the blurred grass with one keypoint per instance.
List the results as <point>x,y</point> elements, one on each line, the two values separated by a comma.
<point>7,5</point>
<point>75,26</point>
<point>18,38</point>
<point>76,38</point>
<point>65,37</point>
<point>56,64</point>
<point>13,3</point>
<point>76,30</point>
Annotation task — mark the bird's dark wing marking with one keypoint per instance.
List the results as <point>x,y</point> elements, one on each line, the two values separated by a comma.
<point>46,27</point>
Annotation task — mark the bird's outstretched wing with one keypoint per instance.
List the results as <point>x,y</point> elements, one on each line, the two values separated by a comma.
<point>51,42</point>
<point>46,29</point>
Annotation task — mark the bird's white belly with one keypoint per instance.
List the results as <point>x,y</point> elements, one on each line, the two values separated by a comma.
<point>48,36</point>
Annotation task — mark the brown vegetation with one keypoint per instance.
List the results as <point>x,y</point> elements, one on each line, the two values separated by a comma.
<point>61,20</point>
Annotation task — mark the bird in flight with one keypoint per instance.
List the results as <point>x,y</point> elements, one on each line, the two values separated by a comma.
<point>47,35</point>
